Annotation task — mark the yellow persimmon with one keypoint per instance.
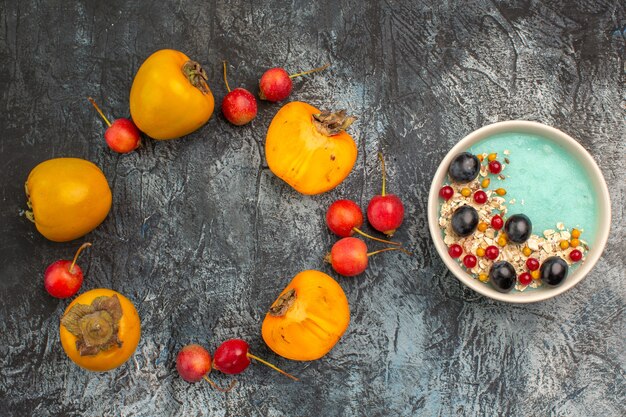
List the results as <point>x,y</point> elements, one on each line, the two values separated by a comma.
<point>100,330</point>
<point>309,149</point>
<point>67,198</point>
<point>308,318</point>
<point>169,97</point>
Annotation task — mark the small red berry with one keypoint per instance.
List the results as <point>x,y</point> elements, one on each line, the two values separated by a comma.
<point>532,264</point>
<point>575,255</point>
<point>525,278</point>
<point>455,250</point>
<point>480,197</point>
<point>469,261</point>
<point>497,222</point>
<point>446,192</point>
<point>492,252</point>
<point>495,167</point>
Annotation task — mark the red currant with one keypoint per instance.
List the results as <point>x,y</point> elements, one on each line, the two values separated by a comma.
<point>446,192</point>
<point>532,264</point>
<point>495,167</point>
<point>525,278</point>
<point>497,222</point>
<point>575,255</point>
<point>455,250</point>
<point>480,197</point>
<point>492,252</point>
<point>469,261</point>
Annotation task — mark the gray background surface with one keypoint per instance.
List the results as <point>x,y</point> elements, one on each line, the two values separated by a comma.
<point>202,237</point>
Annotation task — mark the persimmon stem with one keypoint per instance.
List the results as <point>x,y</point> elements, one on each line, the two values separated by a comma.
<point>362,233</point>
<point>256,358</point>
<point>93,102</point>
<point>388,249</point>
<point>83,246</point>
<point>322,68</point>
<point>220,389</point>
<point>225,79</point>
<point>382,163</point>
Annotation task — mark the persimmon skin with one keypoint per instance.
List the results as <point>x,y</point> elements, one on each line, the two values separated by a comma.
<point>164,104</point>
<point>69,197</point>
<point>306,159</point>
<point>315,322</point>
<point>129,333</point>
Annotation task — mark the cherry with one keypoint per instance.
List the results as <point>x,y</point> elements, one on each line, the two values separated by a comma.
<point>239,105</point>
<point>455,250</point>
<point>385,212</point>
<point>492,252</point>
<point>233,357</point>
<point>275,84</point>
<point>344,218</point>
<point>193,364</point>
<point>480,197</point>
<point>575,255</point>
<point>446,192</point>
<point>525,278</point>
<point>64,278</point>
<point>532,264</point>
<point>349,256</point>
<point>495,167</point>
<point>469,261</point>
<point>122,135</point>
<point>497,222</point>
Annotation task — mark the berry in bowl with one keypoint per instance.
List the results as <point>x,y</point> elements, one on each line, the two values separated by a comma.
<point>519,211</point>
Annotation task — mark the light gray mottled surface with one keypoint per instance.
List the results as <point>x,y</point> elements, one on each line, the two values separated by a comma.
<point>202,237</point>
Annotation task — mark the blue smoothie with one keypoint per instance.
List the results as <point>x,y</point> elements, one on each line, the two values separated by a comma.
<point>543,181</point>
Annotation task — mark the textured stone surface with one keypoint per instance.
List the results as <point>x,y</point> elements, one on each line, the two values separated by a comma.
<point>202,236</point>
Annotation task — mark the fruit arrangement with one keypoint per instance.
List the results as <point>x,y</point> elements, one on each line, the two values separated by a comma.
<point>306,147</point>
<point>493,247</point>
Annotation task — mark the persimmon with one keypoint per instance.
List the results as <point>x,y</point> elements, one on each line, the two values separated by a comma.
<point>67,198</point>
<point>309,149</point>
<point>170,96</point>
<point>308,318</point>
<point>100,330</point>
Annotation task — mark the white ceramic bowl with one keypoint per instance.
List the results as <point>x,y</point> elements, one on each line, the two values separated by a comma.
<point>586,161</point>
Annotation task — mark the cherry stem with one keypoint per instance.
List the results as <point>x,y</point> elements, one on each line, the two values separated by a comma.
<point>220,389</point>
<point>93,102</point>
<point>382,163</point>
<point>322,68</point>
<point>83,246</point>
<point>388,249</point>
<point>225,80</point>
<point>256,358</point>
<point>362,233</point>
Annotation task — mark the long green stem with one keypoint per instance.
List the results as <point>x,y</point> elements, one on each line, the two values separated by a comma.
<point>256,358</point>
<point>93,102</point>
<point>310,71</point>
<point>83,246</point>
<point>225,80</point>
<point>362,233</point>
<point>220,389</point>
<point>382,163</point>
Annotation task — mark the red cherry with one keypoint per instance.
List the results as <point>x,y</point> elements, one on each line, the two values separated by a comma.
<point>495,167</point>
<point>575,255</point>
<point>343,216</point>
<point>480,197</point>
<point>64,278</point>
<point>385,212</point>
<point>469,261</point>
<point>122,135</point>
<point>525,278</point>
<point>239,105</point>
<point>233,357</point>
<point>348,256</point>
<point>455,250</point>
<point>532,264</point>
<point>446,192</point>
<point>497,222</point>
<point>275,85</point>
<point>492,252</point>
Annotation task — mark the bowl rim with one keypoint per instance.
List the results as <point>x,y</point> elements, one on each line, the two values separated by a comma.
<point>589,165</point>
